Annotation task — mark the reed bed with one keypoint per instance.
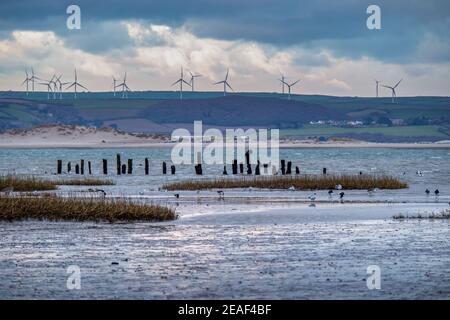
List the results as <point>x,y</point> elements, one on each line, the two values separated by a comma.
<point>85,182</point>
<point>432,216</point>
<point>21,183</point>
<point>299,182</point>
<point>80,209</point>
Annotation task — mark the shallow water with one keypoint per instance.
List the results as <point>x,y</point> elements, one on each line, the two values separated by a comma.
<point>253,244</point>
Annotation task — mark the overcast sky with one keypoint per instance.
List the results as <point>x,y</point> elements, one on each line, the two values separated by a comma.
<point>326,44</point>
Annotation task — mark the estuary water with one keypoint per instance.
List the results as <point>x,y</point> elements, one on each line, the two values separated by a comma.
<point>252,244</point>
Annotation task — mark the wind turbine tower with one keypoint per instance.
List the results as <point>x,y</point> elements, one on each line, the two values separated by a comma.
<point>193,76</point>
<point>181,81</point>
<point>225,84</point>
<point>289,87</point>
<point>394,94</point>
<point>76,84</point>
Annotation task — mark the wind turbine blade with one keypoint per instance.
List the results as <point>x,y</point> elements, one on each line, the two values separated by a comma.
<point>219,82</point>
<point>226,77</point>
<point>229,86</point>
<point>187,83</point>
<point>293,84</point>
<point>398,83</point>
<point>70,86</point>
<point>83,86</point>
<point>175,82</point>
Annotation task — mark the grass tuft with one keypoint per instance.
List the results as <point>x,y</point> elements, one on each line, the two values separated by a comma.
<point>21,183</point>
<point>438,216</point>
<point>80,209</point>
<point>299,182</point>
<point>85,182</point>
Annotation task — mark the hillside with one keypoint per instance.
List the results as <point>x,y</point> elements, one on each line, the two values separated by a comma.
<point>422,118</point>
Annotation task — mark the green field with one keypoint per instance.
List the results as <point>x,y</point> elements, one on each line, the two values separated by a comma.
<point>399,131</point>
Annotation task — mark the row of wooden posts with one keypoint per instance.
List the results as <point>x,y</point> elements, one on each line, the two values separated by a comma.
<point>122,169</point>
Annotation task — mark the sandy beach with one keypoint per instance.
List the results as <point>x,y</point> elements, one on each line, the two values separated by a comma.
<point>88,137</point>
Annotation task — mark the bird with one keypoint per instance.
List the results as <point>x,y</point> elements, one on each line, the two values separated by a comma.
<point>427,192</point>
<point>291,188</point>
<point>177,195</point>
<point>338,187</point>
<point>436,192</point>
<point>371,191</point>
<point>312,197</point>
<point>341,195</point>
<point>330,192</point>
<point>221,194</point>
<point>101,191</point>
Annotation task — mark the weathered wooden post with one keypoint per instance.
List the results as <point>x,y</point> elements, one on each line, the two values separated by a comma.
<point>297,170</point>
<point>225,173</point>
<point>283,167</point>
<point>119,164</point>
<point>249,168</point>
<point>234,167</point>
<point>164,167</point>
<point>172,169</point>
<point>289,167</point>
<point>324,170</point>
<point>77,168</point>
<point>130,166</point>
<point>69,167</point>
<point>124,169</point>
<point>257,171</point>
<point>105,166</point>
<point>198,169</point>
<point>89,167</point>
<point>82,167</point>
<point>241,168</point>
<point>59,165</point>
<point>147,166</point>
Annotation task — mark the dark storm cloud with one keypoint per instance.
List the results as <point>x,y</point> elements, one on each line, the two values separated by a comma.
<point>339,26</point>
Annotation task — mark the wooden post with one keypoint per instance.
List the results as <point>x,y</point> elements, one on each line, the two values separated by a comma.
<point>89,167</point>
<point>130,166</point>
<point>172,169</point>
<point>59,165</point>
<point>82,167</point>
<point>164,168</point>
<point>198,169</point>
<point>69,167</point>
<point>283,167</point>
<point>105,166</point>
<point>234,167</point>
<point>147,167</point>
<point>247,157</point>
<point>225,170</point>
<point>297,170</point>
<point>124,169</point>
<point>119,165</point>
<point>241,168</point>
<point>77,168</point>
<point>289,167</point>
<point>257,171</point>
<point>324,170</point>
<point>249,168</point>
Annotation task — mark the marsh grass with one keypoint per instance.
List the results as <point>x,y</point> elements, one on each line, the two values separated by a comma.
<point>438,216</point>
<point>85,182</point>
<point>25,183</point>
<point>299,182</point>
<point>80,209</point>
<point>30,183</point>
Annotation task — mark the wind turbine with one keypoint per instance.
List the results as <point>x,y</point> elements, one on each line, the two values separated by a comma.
<point>394,94</point>
<point>124,86</point>
<point>193,76</point>
<point>289,87</point>
<point>61,84</point>
<point>377,84</point>
<point>49,87</point>
<point>76,84</point>
<point>27,80</point>
<point>181,81</point>
<point>33,78</point>
<point>225,84</point>
<point>114,85</point>
<point>282,82</point>
<point>55,86</point>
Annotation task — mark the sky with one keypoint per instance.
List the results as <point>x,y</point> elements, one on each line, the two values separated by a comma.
<point>325,44</point>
